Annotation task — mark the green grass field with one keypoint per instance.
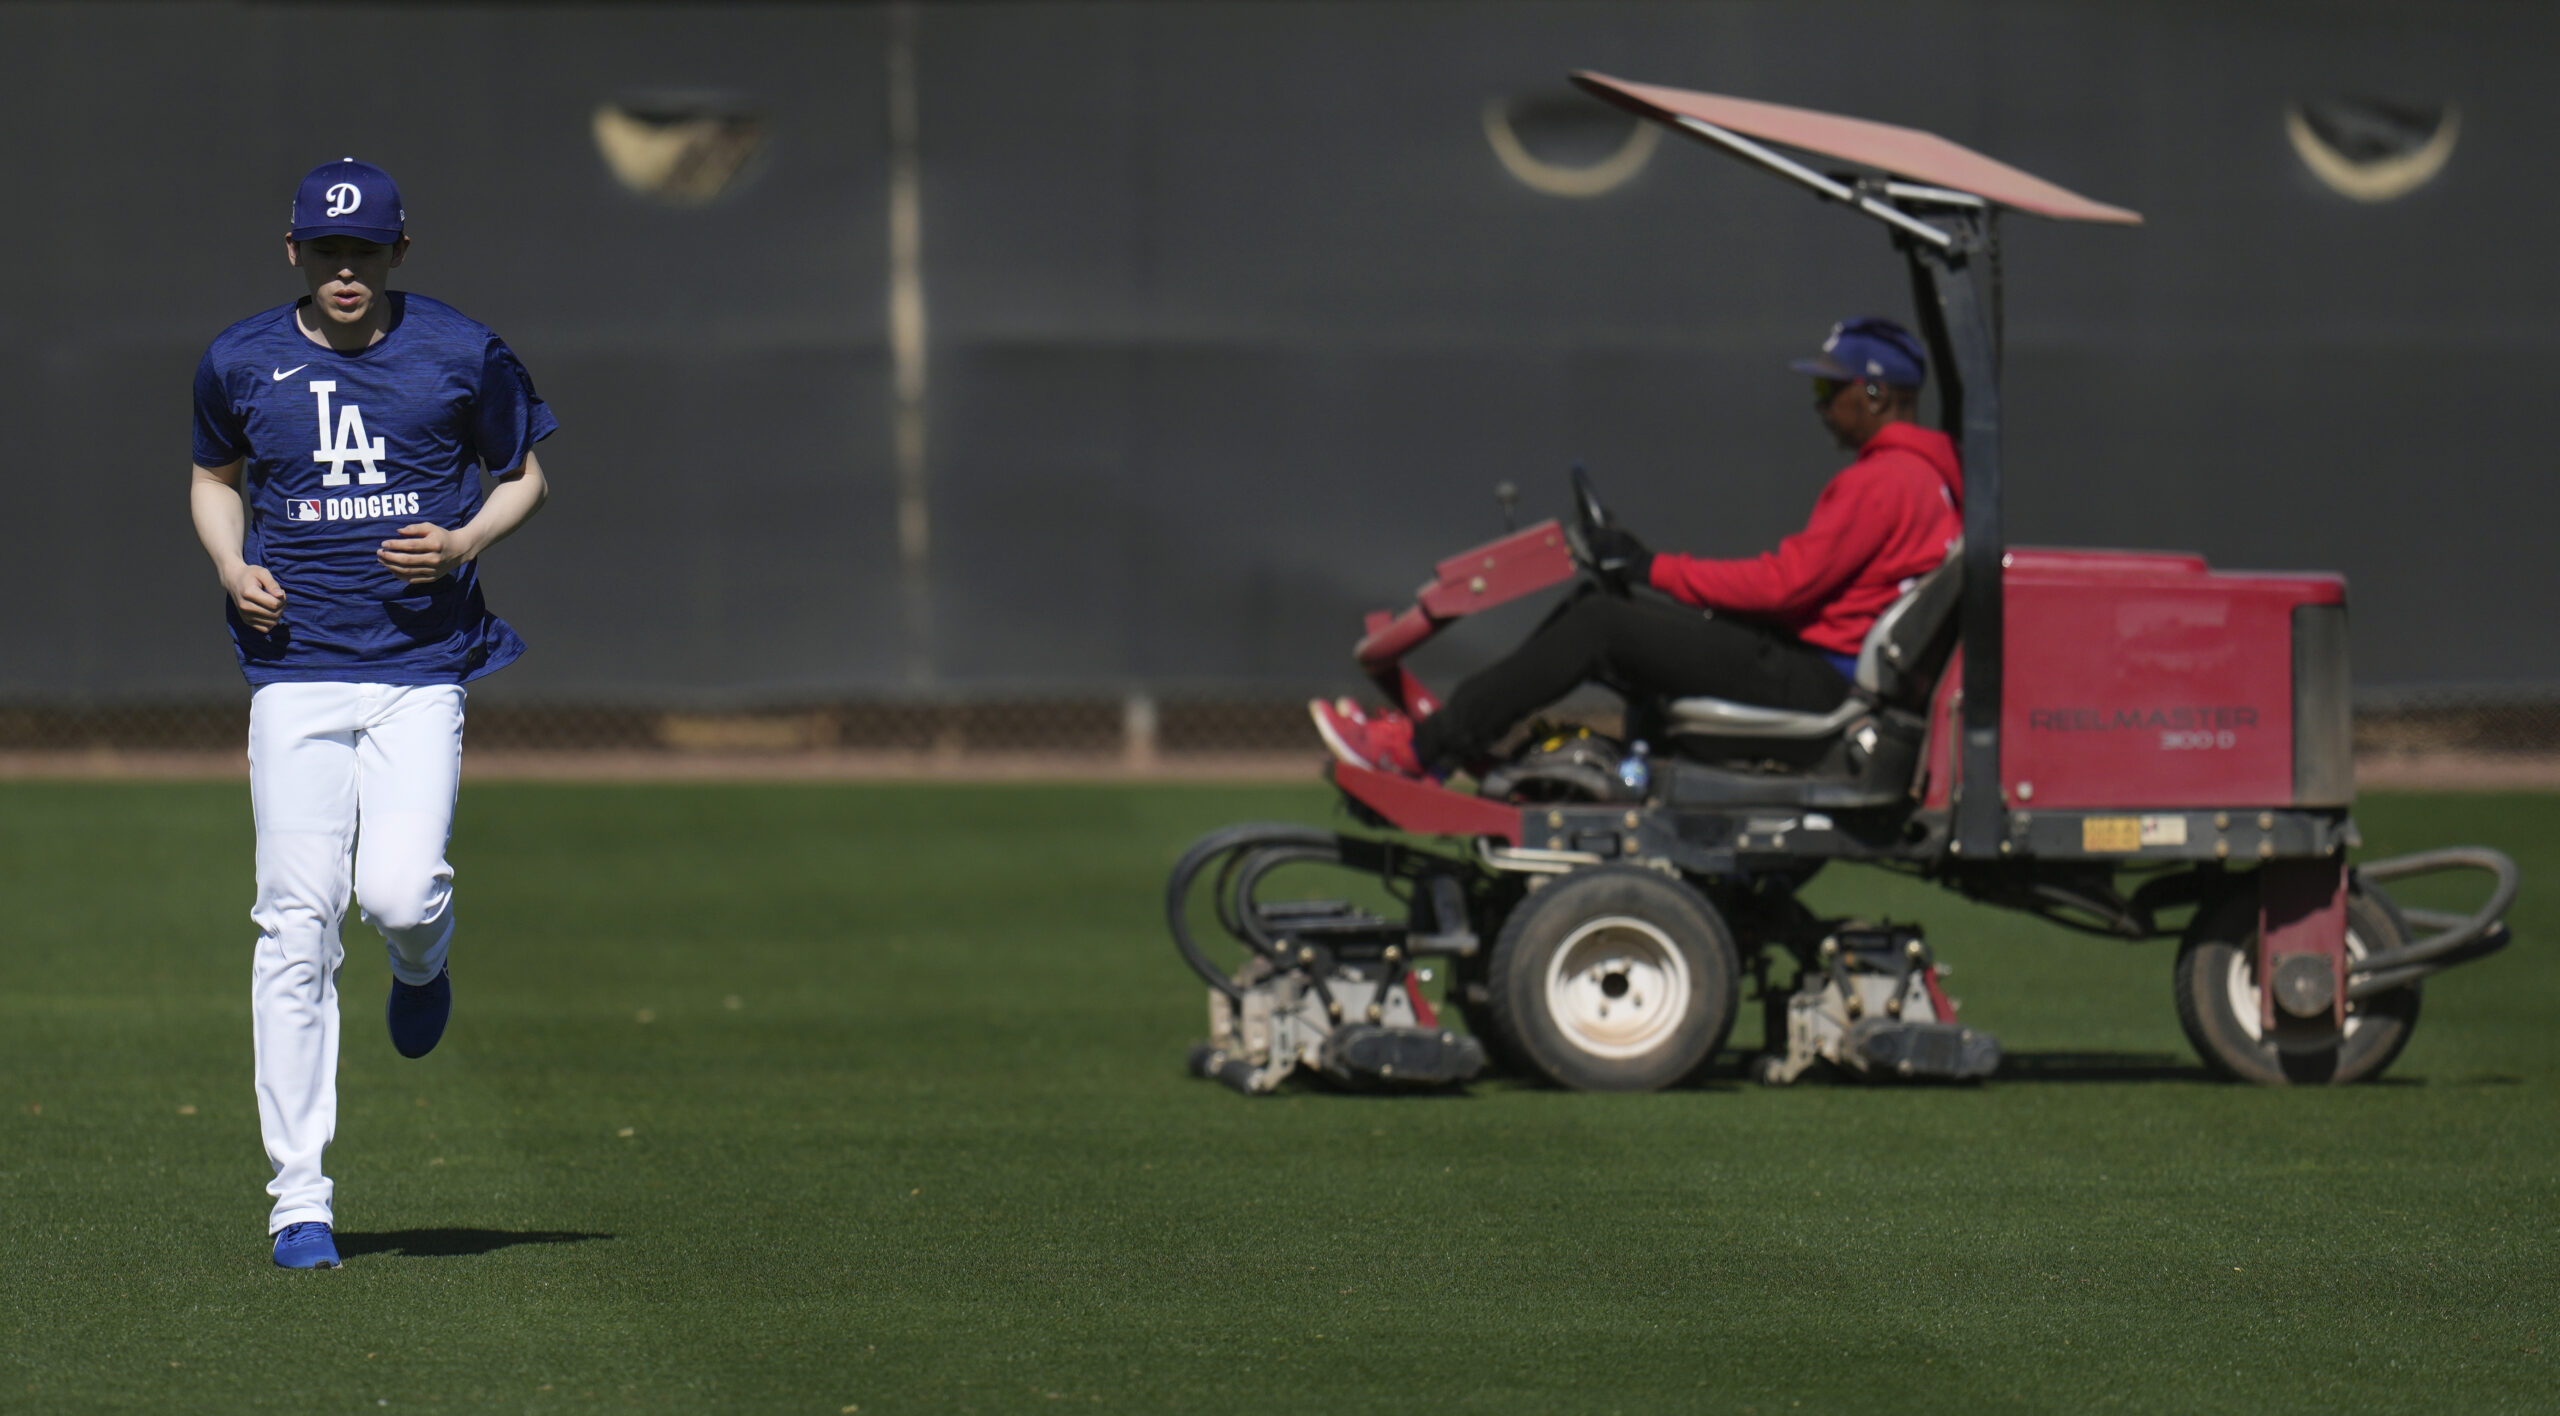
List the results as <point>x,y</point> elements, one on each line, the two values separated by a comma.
<point>809,1099</point>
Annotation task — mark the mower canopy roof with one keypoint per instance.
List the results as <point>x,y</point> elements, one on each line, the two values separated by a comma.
<point>1903,152</point>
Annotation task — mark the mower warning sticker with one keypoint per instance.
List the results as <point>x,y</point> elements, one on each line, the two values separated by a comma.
<point>2131,833</point>
<point>2111,833</point>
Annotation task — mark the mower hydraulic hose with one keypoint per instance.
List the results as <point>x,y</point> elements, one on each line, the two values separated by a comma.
<point>1236,886</point>
<point>1209,848</point>
<point>2366,985</point>
<point>2459,938</point>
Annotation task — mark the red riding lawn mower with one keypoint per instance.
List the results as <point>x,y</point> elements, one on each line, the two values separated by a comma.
<point>2101,738</point>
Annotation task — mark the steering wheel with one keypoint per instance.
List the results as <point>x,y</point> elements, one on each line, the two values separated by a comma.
<point>1591,515</point>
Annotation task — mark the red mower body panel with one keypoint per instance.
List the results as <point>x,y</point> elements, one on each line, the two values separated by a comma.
<point>1495,573</point>
<point>1427,808</point>
<point>2147,680</point>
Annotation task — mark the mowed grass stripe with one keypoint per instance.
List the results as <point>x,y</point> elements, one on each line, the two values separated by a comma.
<point>941,1155</point>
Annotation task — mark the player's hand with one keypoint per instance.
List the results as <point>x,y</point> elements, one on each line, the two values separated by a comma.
<point>256,596</point>
<point>424,553</point>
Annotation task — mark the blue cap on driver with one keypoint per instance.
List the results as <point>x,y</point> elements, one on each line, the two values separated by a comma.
<point>1868,348</point>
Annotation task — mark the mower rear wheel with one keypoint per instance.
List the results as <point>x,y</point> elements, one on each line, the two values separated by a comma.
<point>1615,978</point>
<point>2217,988</point>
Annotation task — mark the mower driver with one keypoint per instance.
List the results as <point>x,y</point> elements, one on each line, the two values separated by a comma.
<point>1781,630</point>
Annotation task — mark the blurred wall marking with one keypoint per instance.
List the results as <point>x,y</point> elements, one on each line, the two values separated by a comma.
<point>1567,145</point>
<point>907,342</point>
<point>683,149</point>
<point>2369,149</point>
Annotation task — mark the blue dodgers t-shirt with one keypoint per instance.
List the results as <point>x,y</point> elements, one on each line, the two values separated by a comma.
<point>342,450</point>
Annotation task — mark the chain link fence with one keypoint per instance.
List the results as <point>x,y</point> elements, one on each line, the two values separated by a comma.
<point>1138,731</point>
<point>2458,720</point>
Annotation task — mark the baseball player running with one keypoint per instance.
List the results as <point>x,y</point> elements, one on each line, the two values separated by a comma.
<point>339,442</point>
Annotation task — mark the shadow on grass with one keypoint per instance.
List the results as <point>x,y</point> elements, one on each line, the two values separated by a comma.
<point>2136,1067</point>
<point>1733,1070</point>
<point>2104,1067</point>
<point>451,1243</point>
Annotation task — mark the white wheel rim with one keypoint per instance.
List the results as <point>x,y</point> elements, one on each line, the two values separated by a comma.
<point>1617,987</point>
<point>2241,985</point>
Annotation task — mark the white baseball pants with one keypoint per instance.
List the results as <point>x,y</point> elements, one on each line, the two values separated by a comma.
<point>353,786</point>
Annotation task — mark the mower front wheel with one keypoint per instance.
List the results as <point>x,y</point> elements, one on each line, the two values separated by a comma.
<point>2218,1004</point>
<point>1615,978</point>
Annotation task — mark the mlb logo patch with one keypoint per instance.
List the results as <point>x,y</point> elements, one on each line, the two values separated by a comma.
<point>305,510</point>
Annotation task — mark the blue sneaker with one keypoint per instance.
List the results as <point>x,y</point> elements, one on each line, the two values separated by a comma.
<point>417,1012</point>
<point>308,1245</point>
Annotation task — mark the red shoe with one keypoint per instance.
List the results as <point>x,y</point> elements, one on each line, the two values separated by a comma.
<point>1380,744</point>
<point>1391,737</point>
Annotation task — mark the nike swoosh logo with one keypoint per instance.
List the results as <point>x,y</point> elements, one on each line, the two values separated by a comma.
<point>283,374</point>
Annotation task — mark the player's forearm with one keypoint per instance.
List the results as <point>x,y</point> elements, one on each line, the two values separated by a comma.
<point>221,521</point>
<point>511,504</point>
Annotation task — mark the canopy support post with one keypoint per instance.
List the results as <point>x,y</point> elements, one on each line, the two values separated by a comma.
<point>1956,313</point>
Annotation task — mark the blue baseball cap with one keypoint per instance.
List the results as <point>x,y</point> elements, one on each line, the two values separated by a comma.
<point>1868,348</point>
<point>348,198</point>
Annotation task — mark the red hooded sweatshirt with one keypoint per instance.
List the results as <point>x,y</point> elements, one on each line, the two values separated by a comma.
<point>1886,519</point>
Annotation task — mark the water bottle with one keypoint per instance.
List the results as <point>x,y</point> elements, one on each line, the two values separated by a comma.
<point>1634,770</point>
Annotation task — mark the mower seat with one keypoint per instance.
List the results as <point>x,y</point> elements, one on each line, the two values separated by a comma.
<point>1898,664</point>
<point>1862,755</point>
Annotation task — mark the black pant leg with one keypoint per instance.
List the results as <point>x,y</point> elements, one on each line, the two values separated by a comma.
<point>1658,648</point>
<point>1641,648</point>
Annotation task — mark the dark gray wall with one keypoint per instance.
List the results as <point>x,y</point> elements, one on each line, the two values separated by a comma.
<point>1235,317</point>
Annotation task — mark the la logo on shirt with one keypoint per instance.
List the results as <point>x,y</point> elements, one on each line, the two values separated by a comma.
<point>349,444</point>
<point>341,444</point>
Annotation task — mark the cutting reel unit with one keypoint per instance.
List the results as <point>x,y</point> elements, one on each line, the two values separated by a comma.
<point>1327,985</point>
<point>1870,1004</point>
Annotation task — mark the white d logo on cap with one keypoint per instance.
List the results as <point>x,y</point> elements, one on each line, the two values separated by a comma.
<point>344,198</point>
